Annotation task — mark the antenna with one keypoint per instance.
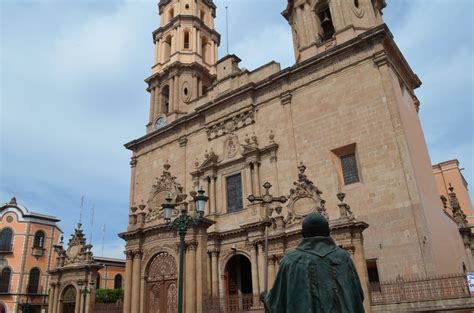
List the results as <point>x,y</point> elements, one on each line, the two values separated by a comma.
<point>80,211</point>
<point>103,240</point>
<point>227,27</point>
<point>92,223</point>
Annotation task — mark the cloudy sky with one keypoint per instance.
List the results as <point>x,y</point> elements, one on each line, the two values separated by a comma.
<point>72,92</point>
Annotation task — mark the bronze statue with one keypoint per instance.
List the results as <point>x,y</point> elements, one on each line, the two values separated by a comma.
<point>316,277</point>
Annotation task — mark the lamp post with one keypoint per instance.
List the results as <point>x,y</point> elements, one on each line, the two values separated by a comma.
<point>85,288</point>
<point>266,200</point>
<point>181,224</point>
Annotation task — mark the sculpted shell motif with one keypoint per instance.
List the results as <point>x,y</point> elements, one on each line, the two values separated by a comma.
<point>163,267</point>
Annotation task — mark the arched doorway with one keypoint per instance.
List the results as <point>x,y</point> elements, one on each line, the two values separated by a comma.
<point>162,285</point>
<point>239,284</point>
<point>68,300</point>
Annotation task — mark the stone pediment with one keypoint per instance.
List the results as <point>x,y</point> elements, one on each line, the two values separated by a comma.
<point>78,251</point>
<point>165,186</point>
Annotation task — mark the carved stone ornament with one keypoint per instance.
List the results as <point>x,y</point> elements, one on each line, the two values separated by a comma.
<point>78,252</point>
<point>165,186</point>
<point>231,124</point>
<point>304,198</point>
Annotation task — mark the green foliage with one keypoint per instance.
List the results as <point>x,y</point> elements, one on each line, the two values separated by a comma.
<point>108,295</point>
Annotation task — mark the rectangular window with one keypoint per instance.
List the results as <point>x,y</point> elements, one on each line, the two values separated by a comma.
<point>373,274</point>
<point>349,168</point>
<point>234,193</point>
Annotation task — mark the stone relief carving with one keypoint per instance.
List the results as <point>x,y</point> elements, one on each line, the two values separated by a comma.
<point>77,252</point>
<point>165,186</point>
<point>231,124</point>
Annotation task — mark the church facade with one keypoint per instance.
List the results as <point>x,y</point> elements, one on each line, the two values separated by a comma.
<point>339,126</point>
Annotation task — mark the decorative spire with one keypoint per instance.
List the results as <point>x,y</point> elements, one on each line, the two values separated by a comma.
<point>13,201</point>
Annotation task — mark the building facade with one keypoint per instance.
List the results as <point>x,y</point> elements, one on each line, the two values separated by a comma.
<point>26,255</point>
<point>344,116</point>
<point>111,275</point>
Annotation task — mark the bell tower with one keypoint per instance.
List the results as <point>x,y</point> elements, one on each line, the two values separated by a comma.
<point>185,58</point>
<point>318,25</point>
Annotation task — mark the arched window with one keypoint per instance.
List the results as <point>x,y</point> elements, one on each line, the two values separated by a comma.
<point>33,281</point>
<point>170,14</point>
<point>186,39</point>
<point>3,309</point>
<point>6,236</point>
<point>39,239</point>
<point>325,21</point>
<point>97,281</point>
<point>167,49</point>
<point>165,99</point>
<point>204,49</point>
<point>5,280</point>
<point>203,16</point>
<point>118,281</point>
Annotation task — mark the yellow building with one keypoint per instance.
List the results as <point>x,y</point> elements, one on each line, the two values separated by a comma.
<point>344,116</point>
<point>26,256</point>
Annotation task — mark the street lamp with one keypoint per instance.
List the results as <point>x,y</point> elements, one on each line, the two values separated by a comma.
<point>85,288</point>
<point>181,224</point>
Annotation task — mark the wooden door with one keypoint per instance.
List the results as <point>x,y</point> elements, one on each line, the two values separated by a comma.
<point>162,285</point>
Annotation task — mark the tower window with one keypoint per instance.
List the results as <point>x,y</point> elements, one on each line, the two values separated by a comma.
<point>186,39</point>
<point>203,17</point>
<point>167,49</point>
<point>204,49</point>
<point>33,282</point>
<point>5,280</point>
<point>171,14</point>
<point>165,99</point>
<point>325,20</point>
<point>39,239</point>
<point>234,193</point>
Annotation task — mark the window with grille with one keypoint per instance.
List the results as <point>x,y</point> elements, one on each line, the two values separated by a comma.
<point>234,193</point>
<point>5,280</point>
<point>33,282</point>
<point>39,239</point>
<point>350,172</point>
<point>6,236</point>
<point>118,281</point>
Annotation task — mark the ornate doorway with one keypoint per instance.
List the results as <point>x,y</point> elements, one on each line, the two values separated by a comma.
<point>68,300</point>
<point>239,284</point>
<point>162,285</point>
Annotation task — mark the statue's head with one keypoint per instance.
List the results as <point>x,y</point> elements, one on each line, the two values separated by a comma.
<point>315,225</point>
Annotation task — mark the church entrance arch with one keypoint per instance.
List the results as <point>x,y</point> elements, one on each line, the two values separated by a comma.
<point>238,274</point>
<point>162,285</point>
<point>68,300</point>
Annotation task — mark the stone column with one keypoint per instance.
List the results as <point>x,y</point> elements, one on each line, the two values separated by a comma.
<point>152,104</point>
<point>212,194</point>
<point>209,272</point>
<point>271,271</point>
<point>261,266</point>
<point>142,294</point>
<point>191,278</point>
<point>253,260</point>
<point>128,283</point>
<point>256,179</point>
<point>215,273</point>
<point>361,267</point>
<point>171,104</point>
<point>156,103</point>
<point>51,298</point>
<point>248,179</point>
<point>56,299</point>
<point>195,87</point>
<point>135,299</point>
<point>78,300</point>
<point>176,94</point>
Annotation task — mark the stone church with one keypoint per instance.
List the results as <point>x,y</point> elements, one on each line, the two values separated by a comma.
<point>338,132</point>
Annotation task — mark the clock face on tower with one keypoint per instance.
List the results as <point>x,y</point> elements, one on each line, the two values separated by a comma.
<point>160,122</point>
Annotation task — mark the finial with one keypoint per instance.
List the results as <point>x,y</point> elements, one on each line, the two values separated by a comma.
<point>196,163</point>
<point>254,139</point>
<point>206,155</point>
<point>451,188</point>
<point>302,168</point>
<point>341,195</point>
<point>167,165</point>
<point>247,139</point>
<point>13,201</point>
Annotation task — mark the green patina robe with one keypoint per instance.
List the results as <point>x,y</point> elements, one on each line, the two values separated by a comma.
<point>318,277</point>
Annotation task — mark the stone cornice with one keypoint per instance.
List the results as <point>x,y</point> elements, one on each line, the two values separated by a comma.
<point>317,67</point>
